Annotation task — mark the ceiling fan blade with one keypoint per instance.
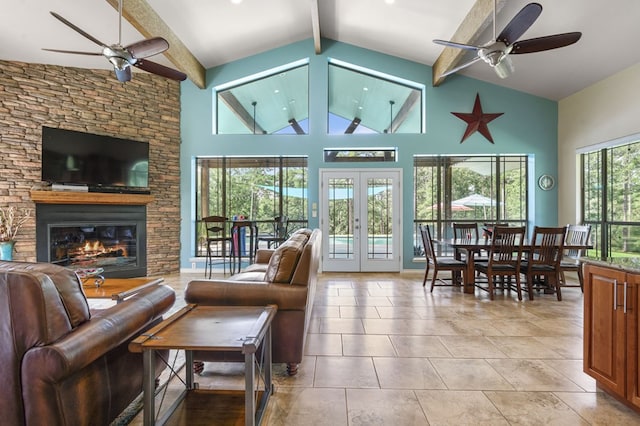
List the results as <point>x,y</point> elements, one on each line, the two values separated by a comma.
<point>148,47</point>
<point>160,70</point>
<point>77,29</point>
<point>520,23</point>
<point>454,44</point>
<point>460,67</point>
<point>123,75</point>
<point>540,44</point>
<point>75,52</point>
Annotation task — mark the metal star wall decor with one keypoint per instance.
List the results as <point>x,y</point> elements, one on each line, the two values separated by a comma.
<point>477,120</point>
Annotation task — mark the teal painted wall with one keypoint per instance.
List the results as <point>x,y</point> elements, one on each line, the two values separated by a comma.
<point>529,126</point>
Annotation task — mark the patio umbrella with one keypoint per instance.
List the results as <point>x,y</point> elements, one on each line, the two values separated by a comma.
<point>477,200</point>
<point>454,207</point>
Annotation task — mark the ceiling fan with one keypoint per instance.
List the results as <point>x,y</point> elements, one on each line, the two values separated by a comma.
<point>496,52</point>
<point>123,57</point>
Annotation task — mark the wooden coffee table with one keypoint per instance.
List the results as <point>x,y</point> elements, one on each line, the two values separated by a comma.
<point>118,289</point>
<point>211,328</point>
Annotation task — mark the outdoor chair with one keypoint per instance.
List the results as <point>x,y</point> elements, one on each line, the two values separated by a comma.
<point>218,236</point>
<point>278,233</point>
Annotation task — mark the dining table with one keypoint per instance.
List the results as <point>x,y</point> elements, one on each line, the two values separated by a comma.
<point>471,246</point>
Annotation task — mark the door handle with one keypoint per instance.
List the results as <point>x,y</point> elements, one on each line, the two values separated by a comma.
<point>615,295</point>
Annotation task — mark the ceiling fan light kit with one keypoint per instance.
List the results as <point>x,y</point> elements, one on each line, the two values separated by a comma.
<point>496,52</point>
<point>124,57</point>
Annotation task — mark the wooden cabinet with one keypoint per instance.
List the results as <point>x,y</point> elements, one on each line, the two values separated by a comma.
<point>612,330</point>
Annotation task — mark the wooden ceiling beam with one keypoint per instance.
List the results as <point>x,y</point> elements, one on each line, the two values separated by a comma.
<point>477,20</point>
<point>296,126</point>
<point>146,20</point>
<point>239,111</point>
<point>353,126</point>
<point>403,112</point>
<point>315,24</point>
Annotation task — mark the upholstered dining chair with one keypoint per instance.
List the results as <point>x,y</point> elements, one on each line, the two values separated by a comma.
<point>504,260</point>
<point>439,263</point>
<point>577,235</point>
<point>218,235</point>
<point>542,264</point>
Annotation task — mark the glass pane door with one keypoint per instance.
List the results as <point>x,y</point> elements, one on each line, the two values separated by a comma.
<point>361,220</point>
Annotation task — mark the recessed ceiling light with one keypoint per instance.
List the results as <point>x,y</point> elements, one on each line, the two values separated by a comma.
<point>236,1</point>
<point>389,1</point>
<point>276,91</point>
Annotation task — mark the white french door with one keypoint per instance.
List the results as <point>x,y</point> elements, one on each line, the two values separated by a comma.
<point>360,218</point>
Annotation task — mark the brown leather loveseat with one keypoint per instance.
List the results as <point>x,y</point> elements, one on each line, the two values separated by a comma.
<point>60,362</point>
<point>286,277</point>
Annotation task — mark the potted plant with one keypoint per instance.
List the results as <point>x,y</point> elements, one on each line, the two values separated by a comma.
<point>11,220</point>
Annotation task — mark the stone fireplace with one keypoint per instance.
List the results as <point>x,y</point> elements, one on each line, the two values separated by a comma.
<point>111,237</point>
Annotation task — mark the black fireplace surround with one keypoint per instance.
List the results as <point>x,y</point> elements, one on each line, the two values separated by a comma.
<point>111,237</point>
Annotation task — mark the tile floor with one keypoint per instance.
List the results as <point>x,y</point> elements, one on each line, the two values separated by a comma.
<point>381,350</point>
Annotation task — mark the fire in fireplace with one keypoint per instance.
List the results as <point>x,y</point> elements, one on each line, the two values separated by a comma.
<point>93,246</point>
<point>93,236</point>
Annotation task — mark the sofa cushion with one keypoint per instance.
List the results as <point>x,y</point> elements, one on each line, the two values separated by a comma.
<point>248,276</point>
<point>284,260</point>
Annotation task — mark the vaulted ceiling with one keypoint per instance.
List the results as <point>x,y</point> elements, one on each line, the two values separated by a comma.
<point>217,32</point>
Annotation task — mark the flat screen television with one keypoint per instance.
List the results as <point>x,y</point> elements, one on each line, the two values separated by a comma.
<point>103,163</point>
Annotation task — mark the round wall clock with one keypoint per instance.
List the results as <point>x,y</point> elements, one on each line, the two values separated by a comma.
<point>546,182</point>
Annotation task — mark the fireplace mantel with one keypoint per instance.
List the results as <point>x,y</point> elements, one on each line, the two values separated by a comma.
<point>69,197</point>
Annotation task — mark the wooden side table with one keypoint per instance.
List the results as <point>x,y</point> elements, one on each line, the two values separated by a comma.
<point>210,328</point>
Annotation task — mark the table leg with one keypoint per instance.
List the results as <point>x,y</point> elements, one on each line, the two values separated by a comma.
<point>188,356</point>
<point>148,386</point>
<point>249,396</point>
<point>469,275</point>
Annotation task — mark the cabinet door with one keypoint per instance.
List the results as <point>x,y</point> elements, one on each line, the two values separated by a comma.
<point>604,327</point>
<point>633,339</point>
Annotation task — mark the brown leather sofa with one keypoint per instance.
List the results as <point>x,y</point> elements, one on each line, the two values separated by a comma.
<point>285,276</point>
<point>60,362</point>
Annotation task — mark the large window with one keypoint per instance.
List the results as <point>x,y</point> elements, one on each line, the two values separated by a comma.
<point>258,188</point>
<point>611,199</point>
<point>273,102</point>
<point>478,189</point>
<point>365,101</point>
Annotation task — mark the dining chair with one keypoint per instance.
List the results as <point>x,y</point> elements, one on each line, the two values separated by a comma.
<point>487,228</point>
<point>465,230</point>
<point>218,235</point>
<point>503,261</point>
<point>542,263</point>
<point>577,235</point>
<point>462,230</point>
<point>439,263</point>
